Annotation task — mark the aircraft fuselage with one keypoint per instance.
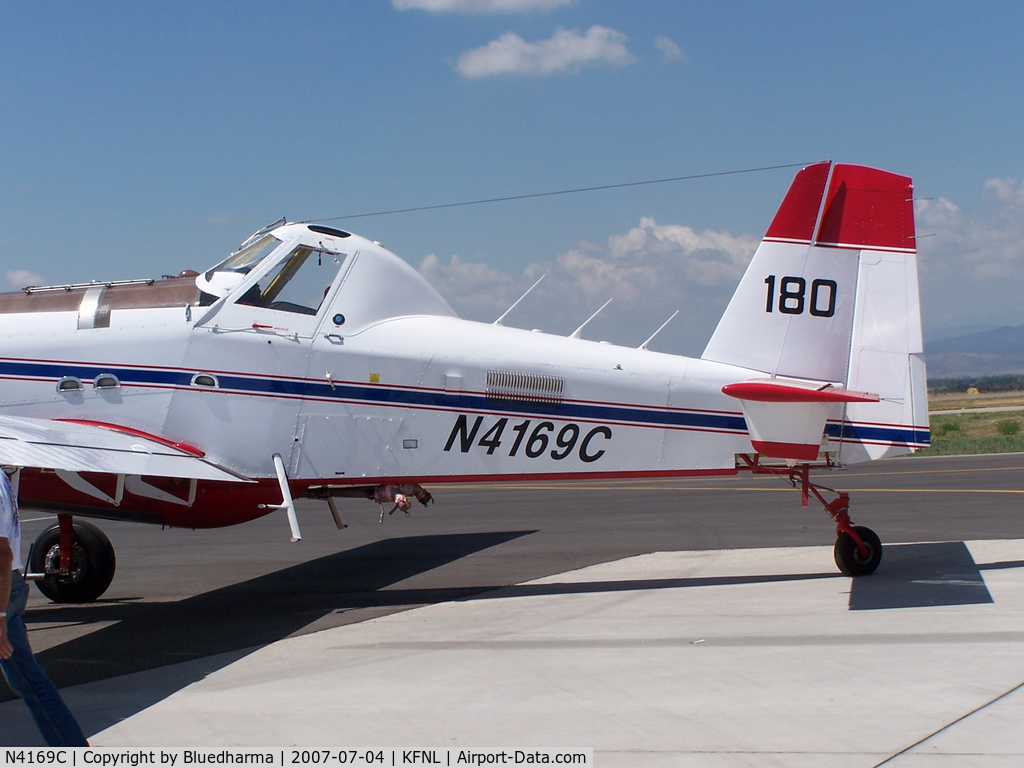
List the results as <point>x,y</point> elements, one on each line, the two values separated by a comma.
<point>350,396</point>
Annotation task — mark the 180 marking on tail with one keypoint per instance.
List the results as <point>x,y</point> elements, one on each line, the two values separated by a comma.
<point>793,296</point>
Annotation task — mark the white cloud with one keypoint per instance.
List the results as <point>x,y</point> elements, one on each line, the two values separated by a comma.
<point>479,6</point>
<point>972,261</point>
<point>1007,190</point>
<point>650,271</point>
<point>565,51</point>
<point>669,50</point>
<point>477,288</point>
<point>22,278</point>
<point>709,258</point>
<point>654,261</point>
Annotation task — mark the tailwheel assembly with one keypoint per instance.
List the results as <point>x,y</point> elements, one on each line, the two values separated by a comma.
<point>72,561</point>
<point>858,550</point>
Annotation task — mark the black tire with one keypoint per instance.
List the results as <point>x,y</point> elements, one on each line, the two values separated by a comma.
<point>92,563</point>
<point>848,556</point>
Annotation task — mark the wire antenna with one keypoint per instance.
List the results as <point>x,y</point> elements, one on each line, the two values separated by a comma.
<point>562,192</point>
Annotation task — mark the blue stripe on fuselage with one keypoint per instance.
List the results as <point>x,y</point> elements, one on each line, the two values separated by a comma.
<point>878,434</point>
<point>382,395</point>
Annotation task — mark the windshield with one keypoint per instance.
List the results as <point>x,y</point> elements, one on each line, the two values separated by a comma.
<point>299,283</point>
<point>244,260</point>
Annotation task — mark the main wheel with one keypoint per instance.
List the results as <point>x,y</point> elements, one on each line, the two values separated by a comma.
<point>92,563</point>
<point>848,556</point>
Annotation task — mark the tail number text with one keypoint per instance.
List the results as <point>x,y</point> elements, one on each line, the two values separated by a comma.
<point>793,298</point>
<point>534,443</point>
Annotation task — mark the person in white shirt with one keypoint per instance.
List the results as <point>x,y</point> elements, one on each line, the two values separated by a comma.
<point>23,673</point>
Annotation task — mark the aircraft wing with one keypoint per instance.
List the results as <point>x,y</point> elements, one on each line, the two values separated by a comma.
<point>82,446</point>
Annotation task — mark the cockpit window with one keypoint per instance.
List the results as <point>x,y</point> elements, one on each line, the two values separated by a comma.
<point>299,284</point>
<point>247,258</point>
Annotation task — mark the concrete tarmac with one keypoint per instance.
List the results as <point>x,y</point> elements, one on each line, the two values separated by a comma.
<point>669,622</point>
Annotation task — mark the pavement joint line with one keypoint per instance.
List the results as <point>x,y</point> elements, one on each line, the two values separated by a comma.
<point>759,641</point>
<point>949,725</point>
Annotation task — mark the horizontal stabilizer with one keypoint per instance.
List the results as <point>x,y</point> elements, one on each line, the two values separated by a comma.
<point>779,391</point>
<point>77,447</point>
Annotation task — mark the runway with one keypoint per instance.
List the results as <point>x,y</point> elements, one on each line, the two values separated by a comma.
<point>663,623</point>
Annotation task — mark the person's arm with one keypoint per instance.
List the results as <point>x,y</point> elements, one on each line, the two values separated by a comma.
<point>6,566</point>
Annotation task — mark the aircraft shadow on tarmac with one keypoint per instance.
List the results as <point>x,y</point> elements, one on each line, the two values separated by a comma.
<point>231,622</point>
<point>910,576</point>
<point>922,575</point>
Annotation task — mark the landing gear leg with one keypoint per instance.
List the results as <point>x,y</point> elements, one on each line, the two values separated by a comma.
<point>858,550</point>
<point>72,561</point>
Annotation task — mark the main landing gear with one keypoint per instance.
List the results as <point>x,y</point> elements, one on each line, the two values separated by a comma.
<point>858,550</point>
<point>72,561</point>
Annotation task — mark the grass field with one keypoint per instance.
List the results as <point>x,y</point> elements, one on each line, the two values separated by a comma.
<point>971,430</point>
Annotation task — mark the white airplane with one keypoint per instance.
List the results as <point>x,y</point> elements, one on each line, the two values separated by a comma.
<point>314,363</point>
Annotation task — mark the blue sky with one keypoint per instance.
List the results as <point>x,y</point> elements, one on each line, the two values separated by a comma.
<point>141,138</point>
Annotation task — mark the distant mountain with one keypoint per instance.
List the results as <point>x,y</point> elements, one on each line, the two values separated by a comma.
<point>1000,350</point>
<point>956,332</point>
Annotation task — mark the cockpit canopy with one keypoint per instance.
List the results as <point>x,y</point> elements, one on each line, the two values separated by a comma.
<point>299,268</point>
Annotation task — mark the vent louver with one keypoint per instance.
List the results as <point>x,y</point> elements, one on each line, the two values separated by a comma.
<point>525,387</point>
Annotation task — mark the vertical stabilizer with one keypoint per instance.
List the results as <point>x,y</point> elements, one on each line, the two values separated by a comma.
<point>831,296</point>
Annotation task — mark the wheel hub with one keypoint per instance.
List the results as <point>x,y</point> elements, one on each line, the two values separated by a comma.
<point>78,565</point>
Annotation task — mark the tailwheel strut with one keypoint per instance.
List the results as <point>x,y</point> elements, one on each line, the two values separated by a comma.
<point>858,550</point>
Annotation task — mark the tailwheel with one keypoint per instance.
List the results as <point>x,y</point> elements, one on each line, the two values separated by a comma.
<point>852,558</point>
<point>90,568</point>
